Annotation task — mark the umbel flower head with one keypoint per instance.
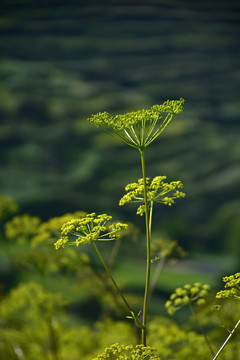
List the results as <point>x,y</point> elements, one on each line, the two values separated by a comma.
<point>232,287</point>
<point>186,295</point>
<point>156,192</point>
<point>128,352</point>
<point>138,129</point>
<point>90,228</point>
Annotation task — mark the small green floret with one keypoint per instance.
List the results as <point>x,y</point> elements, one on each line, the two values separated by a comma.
<point>90,228</point>
<point>138,129</point>
<point>156,191</point>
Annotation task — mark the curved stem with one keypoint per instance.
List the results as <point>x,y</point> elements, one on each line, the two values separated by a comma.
<point>148,238</point>
<point>111,277</point>
<point>227,339</point>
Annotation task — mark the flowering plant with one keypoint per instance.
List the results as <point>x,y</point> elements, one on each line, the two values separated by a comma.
<point>138,130</point>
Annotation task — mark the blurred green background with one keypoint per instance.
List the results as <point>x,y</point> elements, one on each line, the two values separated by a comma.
<point>62,61</point>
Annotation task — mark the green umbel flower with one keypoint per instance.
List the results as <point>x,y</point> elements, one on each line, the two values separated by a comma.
<point>232,286</point>
<point>49,231</point>
<point>156,191</point>
<point>140,128</point>
<point>22,228</point>
<point>125,352</point>
<point>186,295</point>
<point>88,229</point>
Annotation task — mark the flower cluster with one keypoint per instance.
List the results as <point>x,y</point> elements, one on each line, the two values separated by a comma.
<point>232,286</point>
<point>186,295</point>
<point>22,228</point>
<point>89,228</point>
<point>124,352</point>
<point>138,129</point>
<point>32,300</point>
<point>48,232</point>
<point>156,191</point>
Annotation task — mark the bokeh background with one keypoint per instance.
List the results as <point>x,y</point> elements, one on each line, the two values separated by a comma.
<point>62,61</point>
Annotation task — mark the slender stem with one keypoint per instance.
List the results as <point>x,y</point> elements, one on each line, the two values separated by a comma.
<point>160,263</point>
<point>202,331</point>
<point>111,277</point>
<point>148,267</point>
<point>227,339</point>
<point>150,218</point>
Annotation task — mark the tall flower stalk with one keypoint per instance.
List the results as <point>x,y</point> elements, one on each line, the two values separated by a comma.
<point>138,130</point>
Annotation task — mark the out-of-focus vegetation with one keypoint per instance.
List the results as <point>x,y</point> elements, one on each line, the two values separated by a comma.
<point>63,306</point>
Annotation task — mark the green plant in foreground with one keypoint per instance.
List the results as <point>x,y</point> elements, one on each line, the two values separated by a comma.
<point>31,311</point>
<point>138,130</point>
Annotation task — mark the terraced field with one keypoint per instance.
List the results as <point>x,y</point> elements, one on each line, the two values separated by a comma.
<point>61,62</point>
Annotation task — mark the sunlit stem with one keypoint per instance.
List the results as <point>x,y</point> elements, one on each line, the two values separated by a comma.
<point>150,218</point>
<point>148,235</point>
<point>161,262</point>
<point>227,339</point>
<point>111,277</point>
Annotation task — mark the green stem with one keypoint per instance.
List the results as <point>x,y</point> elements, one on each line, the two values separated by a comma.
<point>150,218</point>
<point>227,339</point>
<point>148,267</point>
<point>111,277</point>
